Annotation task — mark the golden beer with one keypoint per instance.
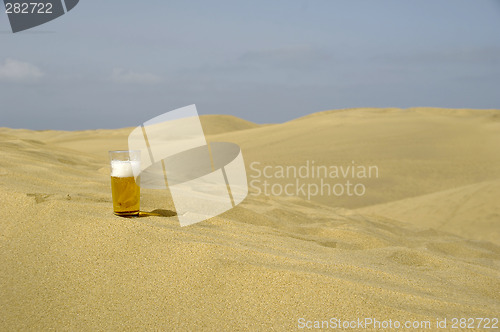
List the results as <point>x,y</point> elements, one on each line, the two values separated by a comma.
<point>126,196</point>
<point>125,183</point>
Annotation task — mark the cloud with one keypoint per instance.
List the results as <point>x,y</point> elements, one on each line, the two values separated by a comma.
<point>123,76</point>
<point>18,71</point>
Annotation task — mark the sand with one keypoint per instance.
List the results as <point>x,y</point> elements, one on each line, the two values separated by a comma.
<point>422,243</point>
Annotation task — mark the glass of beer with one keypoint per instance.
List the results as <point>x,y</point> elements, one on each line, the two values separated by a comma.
<point>124,186</point>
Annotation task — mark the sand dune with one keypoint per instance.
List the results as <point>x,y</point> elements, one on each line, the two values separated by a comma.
<point>217,124</point>
<point>421,244</point>
<point>99,142</point>
<point>418,151</point>
<point>468,211</point>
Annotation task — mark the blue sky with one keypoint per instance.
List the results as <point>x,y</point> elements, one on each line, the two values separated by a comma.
<point>111,64</point>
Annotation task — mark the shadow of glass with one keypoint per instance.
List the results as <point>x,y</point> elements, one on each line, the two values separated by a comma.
<point>154,213</point>
<point>158,213</point>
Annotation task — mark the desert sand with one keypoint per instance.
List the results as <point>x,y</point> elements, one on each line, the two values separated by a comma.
<point>422,243</point>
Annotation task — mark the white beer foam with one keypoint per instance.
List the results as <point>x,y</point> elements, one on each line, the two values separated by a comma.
<point>124,169</point>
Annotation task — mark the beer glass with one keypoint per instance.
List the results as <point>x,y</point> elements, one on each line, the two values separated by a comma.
<point>124,186</point>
